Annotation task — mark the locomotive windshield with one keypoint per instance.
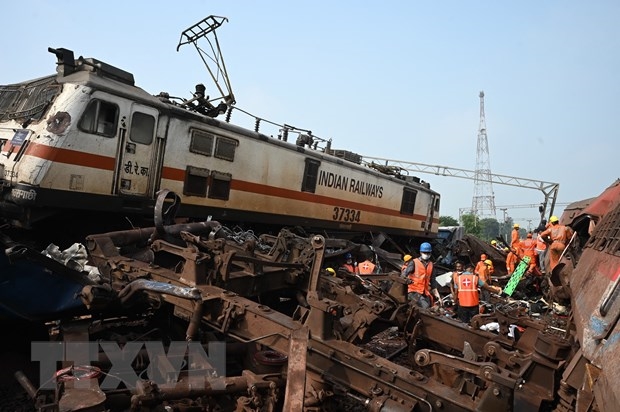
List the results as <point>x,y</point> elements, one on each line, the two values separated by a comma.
<point>27,100</point>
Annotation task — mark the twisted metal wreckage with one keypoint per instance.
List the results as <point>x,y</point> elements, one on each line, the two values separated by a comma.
<point>295,334</point>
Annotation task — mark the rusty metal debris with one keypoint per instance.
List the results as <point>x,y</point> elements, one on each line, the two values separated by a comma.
<point>299,338</point>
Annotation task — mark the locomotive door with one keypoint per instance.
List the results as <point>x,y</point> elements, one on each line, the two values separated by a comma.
<point>138,151</point>
<point>430,213</point>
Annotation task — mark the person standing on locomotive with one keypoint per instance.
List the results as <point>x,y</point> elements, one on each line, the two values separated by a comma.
<point>420,275</point>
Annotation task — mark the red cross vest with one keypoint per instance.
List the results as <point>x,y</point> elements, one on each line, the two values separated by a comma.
<point>366,268</point>
<point>420,277</point>
<point>468,289</point>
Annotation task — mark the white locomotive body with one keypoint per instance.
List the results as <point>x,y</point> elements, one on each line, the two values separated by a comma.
<point>88,139</point>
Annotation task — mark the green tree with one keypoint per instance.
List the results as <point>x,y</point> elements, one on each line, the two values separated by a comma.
<point>448,221</point>
<point>505,229</point>
<point>489,228</point>
<point>471,224</point>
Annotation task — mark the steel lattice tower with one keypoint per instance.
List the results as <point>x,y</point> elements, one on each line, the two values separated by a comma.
<point>483,202</point>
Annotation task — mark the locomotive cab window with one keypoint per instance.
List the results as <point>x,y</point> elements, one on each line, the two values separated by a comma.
<point>311,173</point>
<point>100,118</point>
<point>408,202</point>
<point>142,128</point>
<point>436,204</point>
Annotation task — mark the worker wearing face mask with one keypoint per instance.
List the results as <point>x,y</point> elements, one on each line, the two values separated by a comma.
<point>419,273</point>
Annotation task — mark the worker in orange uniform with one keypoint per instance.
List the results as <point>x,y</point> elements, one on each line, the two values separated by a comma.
<point>367,267</point>
<point>406,260</point>
<point>458,269</point>
<point>541,252</point>
<point>559,236</point>
<point>484,273</point>
<point>511,260</point>
<point>528,248</point>
<point>480,266</point>
<point>419,273</point>
<point>467,285</point>
<point>349,265</point>
<point>516,238</point>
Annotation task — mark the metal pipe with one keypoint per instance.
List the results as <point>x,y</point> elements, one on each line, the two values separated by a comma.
<point>26,384</point>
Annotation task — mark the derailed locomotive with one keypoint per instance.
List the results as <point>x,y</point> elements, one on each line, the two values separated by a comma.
<point>88,139</point>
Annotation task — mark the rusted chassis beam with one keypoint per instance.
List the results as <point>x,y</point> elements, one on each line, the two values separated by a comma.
<point>383,385</point>
<point>338,363</point>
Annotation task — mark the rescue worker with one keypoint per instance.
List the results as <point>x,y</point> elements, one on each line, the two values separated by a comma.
<point>419,273</point>
<point>559,235</point>
<point>528,248</point>
<point>495,245</point>
<point>489,264</point>
<point>480,266</point>
<point>541,252</point>
<point>406,260</point>
<point>516,238</point>
<point>367,267</point>
<point>349,265</point>
<point>485,275</point>
<point>458,269</point>
<point>468,296</point>
<point>511,260</point>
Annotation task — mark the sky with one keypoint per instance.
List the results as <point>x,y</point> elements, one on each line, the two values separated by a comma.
<point>393,79</point>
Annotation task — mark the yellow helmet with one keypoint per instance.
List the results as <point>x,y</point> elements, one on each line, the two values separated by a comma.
<point>332,271</point>
<point>516,225</point>
<point>494,242</point>
<point>553,219</point>
<point>488,262</point>
<point>407,258</point>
